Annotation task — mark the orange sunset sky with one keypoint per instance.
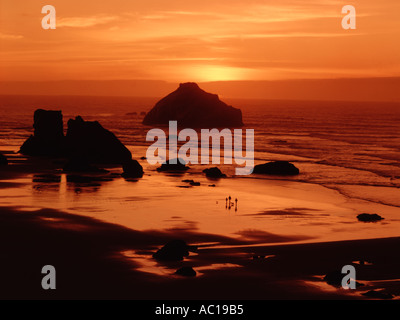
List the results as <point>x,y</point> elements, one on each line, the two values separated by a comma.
<point>208,40</point>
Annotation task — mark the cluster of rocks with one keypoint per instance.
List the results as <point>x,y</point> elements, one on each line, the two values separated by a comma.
<point>85,144</point>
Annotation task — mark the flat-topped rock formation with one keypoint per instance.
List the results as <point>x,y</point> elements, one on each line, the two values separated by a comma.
<point>194,108</point>
<point>48,136</point>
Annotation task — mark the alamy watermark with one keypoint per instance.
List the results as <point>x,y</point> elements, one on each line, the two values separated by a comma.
<point>349,280</point>
<point>49,280</point>
<point>49,20</point>
<point>189,153</point>
<point>348,21</point>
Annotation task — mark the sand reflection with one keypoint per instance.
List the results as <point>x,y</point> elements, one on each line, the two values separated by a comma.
<point>146,263</point>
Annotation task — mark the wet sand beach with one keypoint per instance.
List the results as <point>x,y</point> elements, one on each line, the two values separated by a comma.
<point>107,254</point>
<point>89,258</point>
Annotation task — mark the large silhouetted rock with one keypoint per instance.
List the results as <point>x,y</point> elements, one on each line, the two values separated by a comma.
<point>193,107</point>
<point>280,168</point>
<point>86,141</point>
<point>89,140</point>
<point>48,137</point>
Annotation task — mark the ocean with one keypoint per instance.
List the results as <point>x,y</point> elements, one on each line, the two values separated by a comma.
<point>348,154</point>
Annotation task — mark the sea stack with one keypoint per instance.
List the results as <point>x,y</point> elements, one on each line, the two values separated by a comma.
<point>86,142</point>
<point>88,139</point>
<point>48,136</point>
<point>192,107</point>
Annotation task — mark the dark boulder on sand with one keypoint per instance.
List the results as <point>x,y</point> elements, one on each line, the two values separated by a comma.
<point>173,165</point>
<point>174,250</point>
<point>280,168</point>
<point>214,173</point>
<point>186,272</point>
<point>3,160</point>
<point>367,217</point>
<point>194,108</point>
<point>132,169</point>
<point>90,140</point>
<point>334,278</point>
<point>48,137</point>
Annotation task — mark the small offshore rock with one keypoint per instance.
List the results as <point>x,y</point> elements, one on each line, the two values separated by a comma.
<point>367,217</point>
<point>214,172</point>
<point>132,169</point>
<point>173,165</point>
